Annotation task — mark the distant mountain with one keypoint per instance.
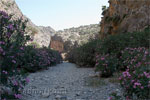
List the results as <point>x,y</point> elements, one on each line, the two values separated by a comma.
<point>74,36</point>
<point>39,35</point>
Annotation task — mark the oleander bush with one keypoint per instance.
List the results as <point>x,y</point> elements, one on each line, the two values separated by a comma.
<point>17,58</point>
<point>130,56</point>
<point>106,64</point>
<point>114,45</point>
<point>12,42</point>
<point>136,79</point>
<point>39,58</point>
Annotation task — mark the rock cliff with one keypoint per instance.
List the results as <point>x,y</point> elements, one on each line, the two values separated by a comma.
<point>63,40</point>
<point>39,36</point>
<point>47,30</point>
<point>125,16</point>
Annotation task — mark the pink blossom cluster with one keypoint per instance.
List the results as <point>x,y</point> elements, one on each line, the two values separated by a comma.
<point>106,64</point>
<point>137,75</point>
<point>10,42</point>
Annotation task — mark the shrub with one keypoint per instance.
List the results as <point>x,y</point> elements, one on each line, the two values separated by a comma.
<point>115,96</point>
<point>129,56</point>
<point>39,58</point>
<point>84,55</point>
<point>56,55</point>
<point>16,58</point>
<point>114,46</point>
<point>33,31</point>
<point>116,43</point>
<point>136,79</point>
<point>106,64</point>
<point>34,44</point>
<point>12,42</point>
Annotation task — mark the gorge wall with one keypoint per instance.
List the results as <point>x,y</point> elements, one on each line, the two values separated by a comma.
<point>125,16</point>
<point>38,34</point>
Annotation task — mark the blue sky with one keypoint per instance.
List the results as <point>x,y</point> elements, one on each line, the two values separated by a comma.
<point>61,14</point>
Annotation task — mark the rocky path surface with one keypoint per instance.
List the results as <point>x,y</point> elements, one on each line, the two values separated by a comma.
<point>67,82</point>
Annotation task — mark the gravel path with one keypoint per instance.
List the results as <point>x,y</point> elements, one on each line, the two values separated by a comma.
<point>67,82</point>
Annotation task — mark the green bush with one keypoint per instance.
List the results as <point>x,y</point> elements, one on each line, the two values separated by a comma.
<point>35,44</point>
<point>84,55</point>
<point>118,42</point>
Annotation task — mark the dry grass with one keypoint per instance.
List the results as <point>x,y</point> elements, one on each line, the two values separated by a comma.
<point>95,82</point>
<point>115,78</point>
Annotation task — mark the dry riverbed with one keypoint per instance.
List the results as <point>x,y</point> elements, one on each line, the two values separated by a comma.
<point>67,82</point>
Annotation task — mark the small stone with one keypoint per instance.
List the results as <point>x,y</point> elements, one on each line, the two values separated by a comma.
<point>63,98</point>
<point>45,95</point>
<point>58,97</point>
<point>77,94</point>
<point>46,77</point>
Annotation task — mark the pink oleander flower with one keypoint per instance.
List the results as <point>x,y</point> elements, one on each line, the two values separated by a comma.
<point>22,48</point>
<point>147,74</point>
<point>120,78</point>
<point>110,98</point>
<point>125,74</point>
<point>14,61</point>
<point>136,84</point>
<point>146,52</point>
<point>102,58</point>
<point>97,56</point>
<point>134,72</point>
<point>10,26</point>
<point>142,87</point>
<point>15,83</point>
<point>27,80</point>
<point>5,72</point>
<point>18,96</point>
<point>127,98</point>
<point>133,81</point>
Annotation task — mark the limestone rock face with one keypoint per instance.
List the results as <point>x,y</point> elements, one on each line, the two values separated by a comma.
<point>57,45</point>
<point>10,7</point>
<point>39,36</point>
<point>74,36</point>
<point>47,30</point>
<point>125,16</point>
